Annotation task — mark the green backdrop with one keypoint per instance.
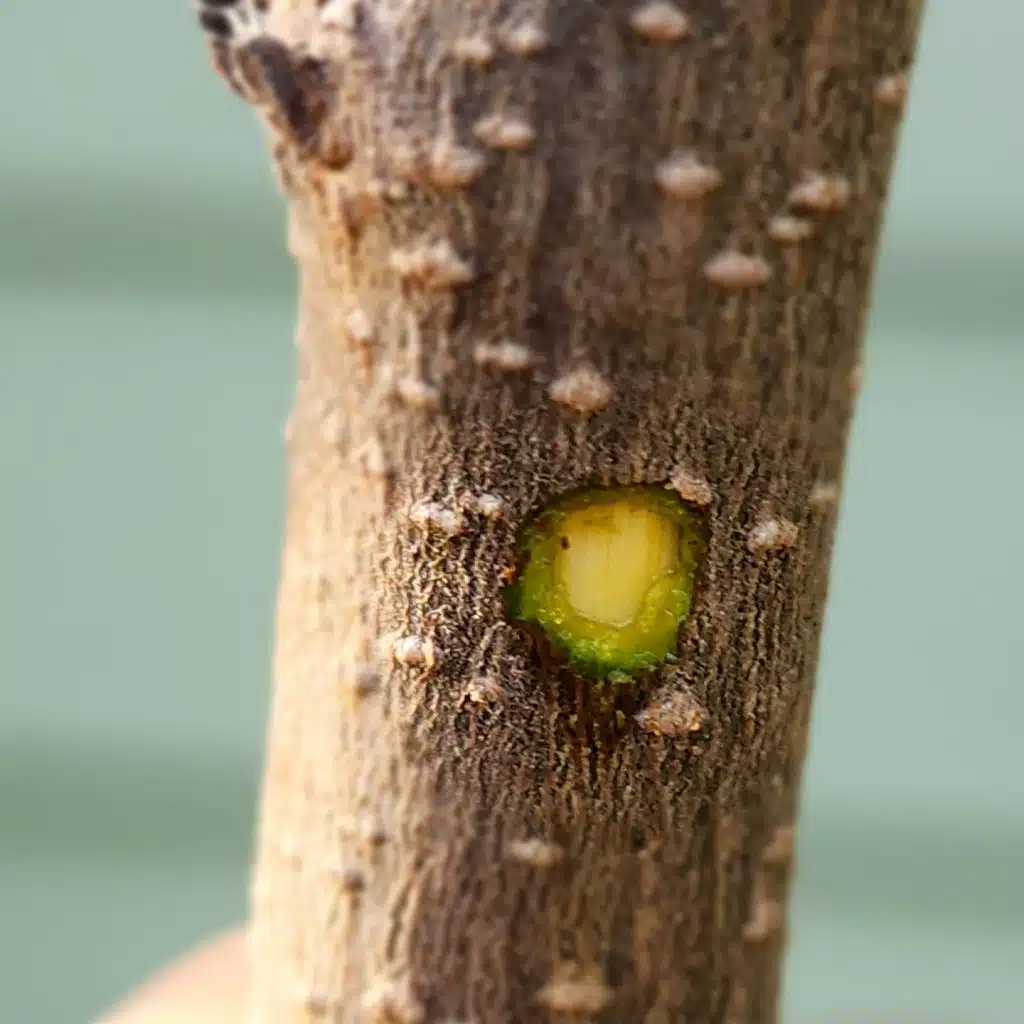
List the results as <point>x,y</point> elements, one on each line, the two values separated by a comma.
<point>145,369</point>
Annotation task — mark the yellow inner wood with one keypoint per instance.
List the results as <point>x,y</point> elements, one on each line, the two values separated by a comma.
<point>610,557</point>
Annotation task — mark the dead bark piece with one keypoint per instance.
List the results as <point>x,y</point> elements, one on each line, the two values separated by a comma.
<point>543,317</point>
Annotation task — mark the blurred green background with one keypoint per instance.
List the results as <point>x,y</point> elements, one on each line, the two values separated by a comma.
<point>146,311</point>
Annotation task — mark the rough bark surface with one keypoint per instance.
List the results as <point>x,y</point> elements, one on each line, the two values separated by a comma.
<point>545,244</point>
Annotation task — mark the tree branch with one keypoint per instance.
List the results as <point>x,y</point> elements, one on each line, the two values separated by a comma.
<point>543,245</point>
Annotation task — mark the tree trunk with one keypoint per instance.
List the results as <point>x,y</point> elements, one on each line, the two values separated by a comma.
<point>546,244</point>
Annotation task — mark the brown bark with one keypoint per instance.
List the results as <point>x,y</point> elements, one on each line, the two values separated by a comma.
<point>545,244</point>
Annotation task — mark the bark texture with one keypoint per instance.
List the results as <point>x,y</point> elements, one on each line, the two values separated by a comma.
<point>545,244</point>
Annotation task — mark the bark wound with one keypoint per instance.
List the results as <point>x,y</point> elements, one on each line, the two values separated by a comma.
<point>546,247</point>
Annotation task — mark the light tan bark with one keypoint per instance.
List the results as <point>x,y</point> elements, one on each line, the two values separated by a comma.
<point>544,245</point>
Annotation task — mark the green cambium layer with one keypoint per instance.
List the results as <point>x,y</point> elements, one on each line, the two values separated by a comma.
<point>639,549</point>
